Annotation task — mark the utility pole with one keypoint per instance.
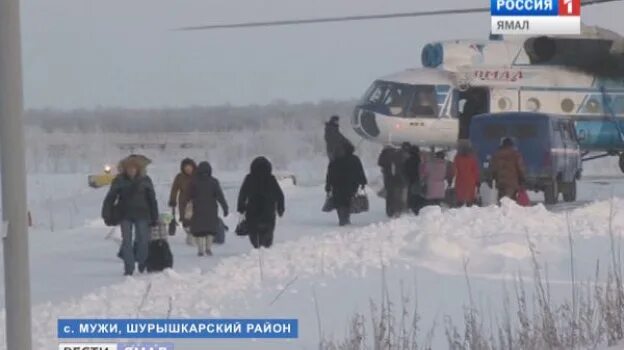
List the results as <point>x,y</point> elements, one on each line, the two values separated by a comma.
<point>14,210</point>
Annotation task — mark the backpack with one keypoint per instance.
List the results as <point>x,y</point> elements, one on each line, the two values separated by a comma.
<point>159,256</point>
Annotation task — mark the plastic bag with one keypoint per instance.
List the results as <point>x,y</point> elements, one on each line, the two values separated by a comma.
<point>188,211</point>
<point>522,198</point>
<point>329,205</point>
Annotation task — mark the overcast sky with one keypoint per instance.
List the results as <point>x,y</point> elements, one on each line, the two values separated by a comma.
<point>90,53</point>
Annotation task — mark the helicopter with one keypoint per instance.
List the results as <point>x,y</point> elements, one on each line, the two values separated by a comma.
<point>577,75</point>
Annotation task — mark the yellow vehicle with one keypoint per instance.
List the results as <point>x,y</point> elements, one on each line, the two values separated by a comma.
<point>101,180</point>
<point>106,178</point>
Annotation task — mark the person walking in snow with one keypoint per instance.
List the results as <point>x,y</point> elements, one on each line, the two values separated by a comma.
<point>344,175</point>
<point>467,178</point>
<point>392,163</point>
<point>435,173</point>
<point>507,169</point>
<point>384,161</point>
<point>415,198</point>
<point>179,195</point>
<point>259,200</point>
<point>131,203</point>
<point>206,196</point>
<point>334,139</point>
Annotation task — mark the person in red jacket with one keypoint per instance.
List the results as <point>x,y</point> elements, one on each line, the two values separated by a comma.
<point>467,174</point>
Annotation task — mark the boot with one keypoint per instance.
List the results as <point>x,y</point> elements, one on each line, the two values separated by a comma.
<point>201,245</point>
<point>208,245</point>
<point>343,216</point>
<point>189,240</point>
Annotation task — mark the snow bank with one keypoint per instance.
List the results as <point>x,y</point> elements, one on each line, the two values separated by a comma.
<point>226,283</point>
<point>493,239</point>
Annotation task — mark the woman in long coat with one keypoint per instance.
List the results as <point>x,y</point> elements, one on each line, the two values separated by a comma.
<point>467,174</point>
<point>206,195</point>
<point>260,199</point>
<point>436,172</point>
<point>344,175</point>
<point>179,195</point>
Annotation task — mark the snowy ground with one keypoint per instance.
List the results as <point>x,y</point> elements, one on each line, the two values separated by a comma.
<point>75,272</point>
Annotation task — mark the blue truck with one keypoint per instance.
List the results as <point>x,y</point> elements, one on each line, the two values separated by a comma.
<point>548,143</point>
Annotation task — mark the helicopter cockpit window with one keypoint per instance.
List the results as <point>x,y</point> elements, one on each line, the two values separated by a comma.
<point>404,100</point>
<point>396,99</point>
<point>425,102</point>
<point>375,94</point>
<point>388,98</point>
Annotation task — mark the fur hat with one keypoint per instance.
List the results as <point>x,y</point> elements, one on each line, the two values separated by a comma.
<point>140,162</point>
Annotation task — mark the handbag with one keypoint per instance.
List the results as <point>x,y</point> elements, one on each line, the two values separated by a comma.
<point>417,189</point>
<point>222,228</point>
<point>241,228</point>
<point>450,197</point>
<point>329,204</point>
<point>173,225</point>
<point>360,204</point>
<point>188,211</point>
<point>113,216</point>
<point>522,198</point>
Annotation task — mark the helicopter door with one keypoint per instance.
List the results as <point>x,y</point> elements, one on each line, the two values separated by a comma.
<point>476,100</point>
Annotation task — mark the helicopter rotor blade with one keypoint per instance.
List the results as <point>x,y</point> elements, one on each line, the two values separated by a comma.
<point>338,19</point>
<point>359,18</point>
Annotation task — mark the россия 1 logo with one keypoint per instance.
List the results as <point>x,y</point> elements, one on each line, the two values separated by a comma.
<point>534,17</point>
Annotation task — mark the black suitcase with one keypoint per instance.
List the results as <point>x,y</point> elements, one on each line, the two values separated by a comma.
<point>159,256</point>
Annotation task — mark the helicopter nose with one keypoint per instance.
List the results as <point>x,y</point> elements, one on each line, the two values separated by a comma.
<point>365,123</point>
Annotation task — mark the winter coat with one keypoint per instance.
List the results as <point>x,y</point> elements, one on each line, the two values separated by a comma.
<point>180,190</point>
<point>131,199</point>
<point>434,174</point>
<point>507,169</point>
<point>412,168</point>
<point>344,176</point>
<point>206,194</point>
<point>393,166</point>
<point>385,161</point>
<point>467,177</point>
<point>260,196</point>
<point>335,141</point>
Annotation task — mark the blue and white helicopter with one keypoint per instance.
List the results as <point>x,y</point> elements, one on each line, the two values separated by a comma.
<point>581,76</point>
